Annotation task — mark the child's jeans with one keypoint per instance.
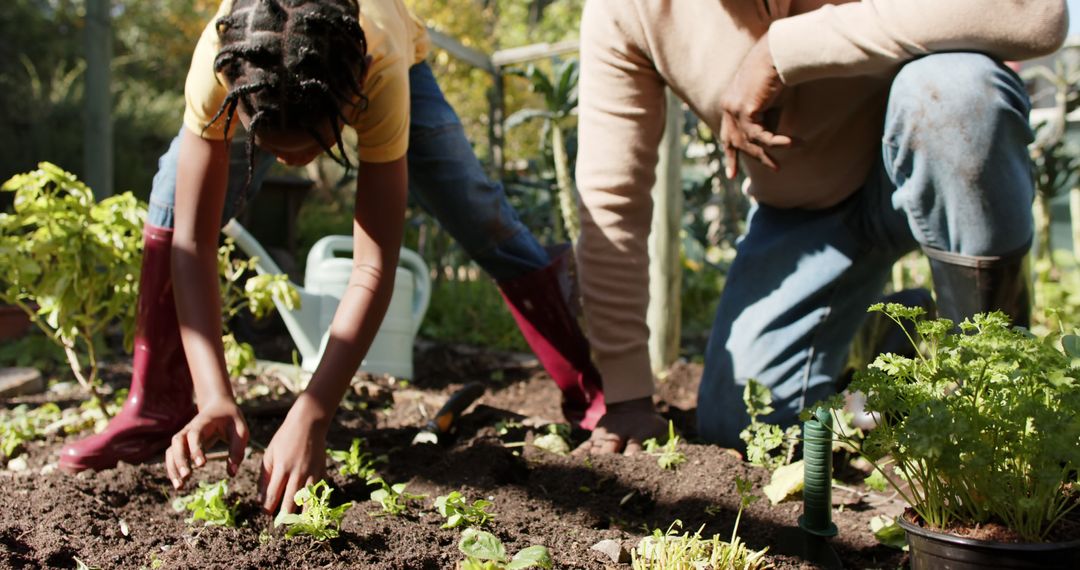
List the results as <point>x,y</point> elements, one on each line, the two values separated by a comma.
<point>445,177</point>
<point>954,175</point>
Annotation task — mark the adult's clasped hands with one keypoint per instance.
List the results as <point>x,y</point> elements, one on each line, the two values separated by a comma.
<point>754,89</point>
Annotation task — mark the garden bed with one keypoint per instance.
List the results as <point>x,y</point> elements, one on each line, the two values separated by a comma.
<point>123,519</point>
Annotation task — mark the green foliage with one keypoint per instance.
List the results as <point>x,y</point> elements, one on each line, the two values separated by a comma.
<point>257,296</point>
<point>484,551</point>
<point>556,440</point>
<point>317,518</point>
<point>668,455</point>
<point>392,499</point>
<point>982,423</point>
<point>669,550</point>
<point>208,504</point>
<point>763,439</point>
<point>22,424</point>
<point>473,312</point>
<point>459,512</point>
<point>356,463</point>
<point>887,532</point>
<point>72,264</point>
<point>877,481</point>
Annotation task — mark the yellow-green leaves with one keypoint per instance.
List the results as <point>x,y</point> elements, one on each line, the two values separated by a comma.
<point>459,512</point>
<point>208,504</point>
<point>393,499</point>
<point>484,551</point>
<point>668,455</point>
<point>317,518</point>
<point>356,463</point>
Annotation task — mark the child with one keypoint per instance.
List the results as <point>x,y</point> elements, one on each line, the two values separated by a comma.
<point>294,72</point>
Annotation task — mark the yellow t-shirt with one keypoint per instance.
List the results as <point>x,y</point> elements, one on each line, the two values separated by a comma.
<point>396,41</point>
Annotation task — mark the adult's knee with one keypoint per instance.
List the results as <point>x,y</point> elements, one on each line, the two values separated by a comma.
<point>958,100</point>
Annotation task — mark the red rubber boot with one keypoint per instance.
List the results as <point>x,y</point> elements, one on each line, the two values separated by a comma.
<point>160,400</point>
<point>541,304</point>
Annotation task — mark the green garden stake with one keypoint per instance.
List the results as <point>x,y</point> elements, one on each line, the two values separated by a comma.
<point>809,541</point>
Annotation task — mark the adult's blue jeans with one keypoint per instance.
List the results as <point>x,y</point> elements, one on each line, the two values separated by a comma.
<point>954,176</point>
<point>445,178</point>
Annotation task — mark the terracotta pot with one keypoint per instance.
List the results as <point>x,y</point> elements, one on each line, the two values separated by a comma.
<point>13,322</point>
<point>931,550</point>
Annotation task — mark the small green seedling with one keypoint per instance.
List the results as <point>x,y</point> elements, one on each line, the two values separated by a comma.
<point>484,551</point>
<point>459,512</point>
<point>877,481</point>
<point>555,440</point>
<point>761,438</point>
<point>887,532</point>
<point>207,503</point>
<point>392,498</point>
<point>671,551</point>
<point>356,463</point>
<point>317,519</point>
<point>667,455</point>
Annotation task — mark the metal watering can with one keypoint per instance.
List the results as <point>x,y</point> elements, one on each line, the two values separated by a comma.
<point>325,280</point>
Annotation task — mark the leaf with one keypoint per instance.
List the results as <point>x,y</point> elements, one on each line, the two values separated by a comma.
<point>877,481</point>
<point>887,532</point>
<point>531,557</point>
<point>481,544</point>
<point>785,482</point>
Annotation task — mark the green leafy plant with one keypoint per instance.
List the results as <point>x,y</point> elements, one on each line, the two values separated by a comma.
<point>317,518</point>
<point>560,100</point>
<point>392,498</point>
<point>887,532</point>
<point>70,263</point>
<point>257,295</point>
<point>23,424</point>
<point>208,503</point>
<point>669,550</point>
<point>668,455</point>
<point>459,512</point>
<point>356,463</point>
<point>556,440</point>
<point>763,439</point>
<point>981,424</point>
<point>484,551</point>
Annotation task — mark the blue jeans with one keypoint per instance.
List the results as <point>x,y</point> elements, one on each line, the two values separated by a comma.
<point>445,178</point>
<point>954,175</point>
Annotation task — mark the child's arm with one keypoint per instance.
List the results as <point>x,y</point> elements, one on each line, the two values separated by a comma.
<point>297,454</point>
<point>201,181</point>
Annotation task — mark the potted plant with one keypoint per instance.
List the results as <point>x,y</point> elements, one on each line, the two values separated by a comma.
<point>981,430</point>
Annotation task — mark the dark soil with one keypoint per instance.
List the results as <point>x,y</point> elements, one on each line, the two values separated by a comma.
<point>122,518</point>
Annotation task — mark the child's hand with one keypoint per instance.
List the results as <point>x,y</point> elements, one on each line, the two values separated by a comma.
<point>295,457</point>
<point>218,421</point>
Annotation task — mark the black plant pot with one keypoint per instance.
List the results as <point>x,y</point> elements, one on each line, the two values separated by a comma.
<point>932,550</point>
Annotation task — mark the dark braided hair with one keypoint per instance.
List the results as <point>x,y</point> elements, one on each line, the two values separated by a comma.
<point>293,64</point>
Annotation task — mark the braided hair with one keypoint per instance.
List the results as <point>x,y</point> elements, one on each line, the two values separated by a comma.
<point>293,64</point>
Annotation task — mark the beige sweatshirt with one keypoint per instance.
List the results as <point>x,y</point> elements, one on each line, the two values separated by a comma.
<point>836,59</point>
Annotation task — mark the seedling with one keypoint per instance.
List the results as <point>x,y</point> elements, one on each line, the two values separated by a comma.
<point>207,503</point>
<point>392,498</point>
<point>23,424</point>
<point>555,440</point>
<point>356,463</point>
<point>317,519</point>
<point>668,550</point>
<point>458,512</point>
<point>762,439</point>
<point>667,455</point>
<point>484,551</point>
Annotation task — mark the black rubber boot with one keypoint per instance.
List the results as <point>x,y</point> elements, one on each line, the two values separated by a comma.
<point>966,285</point>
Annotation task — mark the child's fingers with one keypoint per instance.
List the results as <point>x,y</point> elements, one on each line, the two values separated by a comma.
<point>272,497</point>
<point>237,443</point>
<point>180,456</point>
<point>288,505</point>
<point>194,446</point>
<point>170,468</point>
<point>264,480</point>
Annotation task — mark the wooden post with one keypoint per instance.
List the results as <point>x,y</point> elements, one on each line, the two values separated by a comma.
<point>97,110</point>
<point>665,267</point>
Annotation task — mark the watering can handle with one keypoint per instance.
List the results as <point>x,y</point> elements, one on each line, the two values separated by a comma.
<point>412,261</point>
<point>408,259</point>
